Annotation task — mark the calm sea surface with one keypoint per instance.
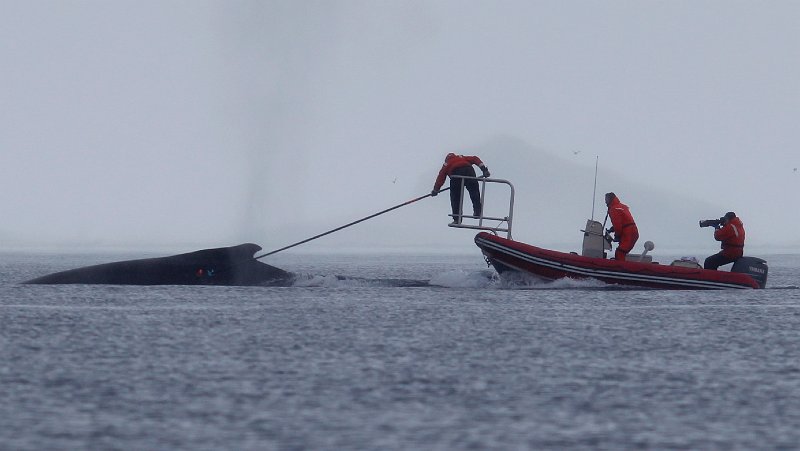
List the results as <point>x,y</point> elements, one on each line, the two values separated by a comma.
<point>406,352</point>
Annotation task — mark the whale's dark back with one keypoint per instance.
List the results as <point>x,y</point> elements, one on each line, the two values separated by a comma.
<point>233,265</point>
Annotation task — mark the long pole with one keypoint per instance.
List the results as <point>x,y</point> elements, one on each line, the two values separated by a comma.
<point>594,192</point>
<point>348,225</point>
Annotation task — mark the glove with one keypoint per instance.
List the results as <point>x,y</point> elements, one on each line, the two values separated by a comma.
<point>434,192</point>
<point>616,238</point>
<point>485,171</point>
<point>611,229</point>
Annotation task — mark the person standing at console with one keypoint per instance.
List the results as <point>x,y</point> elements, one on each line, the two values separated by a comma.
<point>622,225</point>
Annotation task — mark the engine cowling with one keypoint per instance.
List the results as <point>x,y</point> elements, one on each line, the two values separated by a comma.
<point>754,267</point>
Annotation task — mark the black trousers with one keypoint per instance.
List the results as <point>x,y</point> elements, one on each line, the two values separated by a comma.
<point>717,260</point>
<point>472,188</point>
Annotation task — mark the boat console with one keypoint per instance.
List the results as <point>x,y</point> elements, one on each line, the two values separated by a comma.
<point>596,243</point>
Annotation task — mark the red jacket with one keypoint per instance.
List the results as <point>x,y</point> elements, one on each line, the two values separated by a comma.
<point>453,161</point>
<point>624,226</point>
<point>732,237</point>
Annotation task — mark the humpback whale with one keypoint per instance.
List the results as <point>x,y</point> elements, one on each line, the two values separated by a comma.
<point>230,266</point>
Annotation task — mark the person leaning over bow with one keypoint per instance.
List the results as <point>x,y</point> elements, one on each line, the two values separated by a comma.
<point>731,237</point>
<point>623,226</point>
<point>461,165</point>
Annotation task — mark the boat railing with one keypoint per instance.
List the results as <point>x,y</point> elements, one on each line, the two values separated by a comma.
<point>483,222</point>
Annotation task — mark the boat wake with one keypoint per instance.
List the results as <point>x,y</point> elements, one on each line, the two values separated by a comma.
<point>525,281</point>
<point>466,279</point>
<point>330,281</point>
<point>447,279</point>
<point>457,279</point>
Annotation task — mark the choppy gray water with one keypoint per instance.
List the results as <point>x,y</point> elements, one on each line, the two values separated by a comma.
<point>374,362</point>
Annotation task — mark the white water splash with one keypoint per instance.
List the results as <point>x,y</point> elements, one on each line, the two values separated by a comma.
<point>465,279</point>
<point>522,281</point>
<point>316,280</point>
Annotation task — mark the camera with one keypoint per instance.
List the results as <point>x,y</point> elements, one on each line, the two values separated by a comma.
<point>715,223</point>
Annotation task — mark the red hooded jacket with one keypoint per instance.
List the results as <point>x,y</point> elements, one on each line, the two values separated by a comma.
<point>624,225</point>
<point>732,237</point>
<point>453,161</point>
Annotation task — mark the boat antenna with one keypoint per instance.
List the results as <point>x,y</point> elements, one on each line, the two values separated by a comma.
<point>594,192</point>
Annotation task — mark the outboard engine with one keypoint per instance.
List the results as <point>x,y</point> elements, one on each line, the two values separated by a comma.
<point>754,267</point>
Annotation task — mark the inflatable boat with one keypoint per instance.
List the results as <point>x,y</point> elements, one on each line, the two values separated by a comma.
<point>508,256</point>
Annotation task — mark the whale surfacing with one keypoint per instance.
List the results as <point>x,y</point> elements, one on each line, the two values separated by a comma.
<point>228,266</point>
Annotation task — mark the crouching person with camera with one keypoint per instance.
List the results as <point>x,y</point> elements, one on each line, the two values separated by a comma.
<point>730,233</point>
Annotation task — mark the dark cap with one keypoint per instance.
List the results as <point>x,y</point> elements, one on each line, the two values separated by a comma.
<point>610,196</point>
<point>730,215</point>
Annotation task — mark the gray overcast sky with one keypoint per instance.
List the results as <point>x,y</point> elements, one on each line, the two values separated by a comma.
<point>204,123</point>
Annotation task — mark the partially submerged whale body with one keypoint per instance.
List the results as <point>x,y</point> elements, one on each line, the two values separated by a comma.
<point>231,266</point>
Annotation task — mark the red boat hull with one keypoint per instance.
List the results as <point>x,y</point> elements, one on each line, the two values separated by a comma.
<point>509,255</point>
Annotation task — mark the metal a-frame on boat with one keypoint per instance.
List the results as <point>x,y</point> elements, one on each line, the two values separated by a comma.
<point>504,222</point>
